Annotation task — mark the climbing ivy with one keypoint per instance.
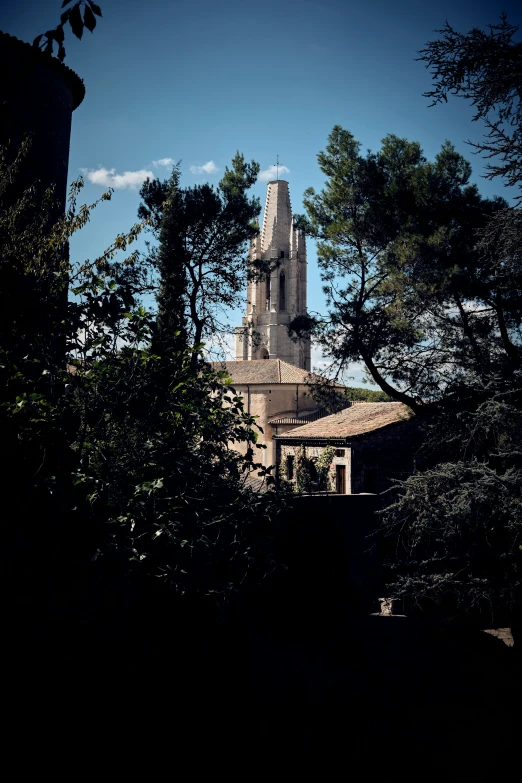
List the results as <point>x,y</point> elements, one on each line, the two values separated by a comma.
<point>303,480</point>
<point>323,467</point>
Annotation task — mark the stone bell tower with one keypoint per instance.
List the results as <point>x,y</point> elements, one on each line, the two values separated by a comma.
<point>278,298</point>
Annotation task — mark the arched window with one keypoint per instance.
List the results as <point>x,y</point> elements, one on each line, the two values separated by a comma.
<point>267,304</point>
<point>282,291</point>
<point>264,353</point>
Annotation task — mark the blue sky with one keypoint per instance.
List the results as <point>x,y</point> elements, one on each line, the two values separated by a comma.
<point>196,81</point>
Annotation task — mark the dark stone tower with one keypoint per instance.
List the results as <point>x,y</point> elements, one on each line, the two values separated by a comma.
<point>38,95</point>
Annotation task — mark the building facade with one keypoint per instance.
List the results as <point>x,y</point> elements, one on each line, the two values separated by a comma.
<point>276,393</point>
<point>372,443</point>
<point>280,296</point>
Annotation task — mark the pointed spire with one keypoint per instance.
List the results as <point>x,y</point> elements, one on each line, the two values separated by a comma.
<point>277,219</point>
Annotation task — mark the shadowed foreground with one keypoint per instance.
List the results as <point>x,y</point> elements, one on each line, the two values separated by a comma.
<point>300,682</point>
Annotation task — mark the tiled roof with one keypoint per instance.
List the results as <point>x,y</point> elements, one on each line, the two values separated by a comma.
<point>356,420</point>
<point>263,371</point>
<point>289,417</point>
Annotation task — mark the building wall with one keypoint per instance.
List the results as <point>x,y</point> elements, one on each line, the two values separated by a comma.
<point>373,460</point>
<point>384,455</point>
<point>265,401</point>
<point>313,452</point>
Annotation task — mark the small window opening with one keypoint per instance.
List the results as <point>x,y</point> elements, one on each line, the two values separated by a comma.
<point>267,304</point>
<point>282,254</point>
<point>290,467</point>
<point>282,291</point>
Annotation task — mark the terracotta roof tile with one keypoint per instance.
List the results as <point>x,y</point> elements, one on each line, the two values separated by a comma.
<point>262,371</point>
<point>356,420</point>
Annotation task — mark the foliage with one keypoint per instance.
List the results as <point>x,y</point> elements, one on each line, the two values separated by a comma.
<point>311,473</point>
<point>120,462</point>
<point>73,16</point>
<point>322,464</point>
<point>200,260</point>
<point>483,68</point>
<point>356,394</point>
<point>303,479</point>
<point>283,483</point>
<point>409,293</point>
<point>457,526</point>
<point>334,397</point>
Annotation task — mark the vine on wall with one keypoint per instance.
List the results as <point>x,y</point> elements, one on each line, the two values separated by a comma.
<point>324,460</point>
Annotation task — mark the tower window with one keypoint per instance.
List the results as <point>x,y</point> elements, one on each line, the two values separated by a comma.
<point>267,304</point>
<point>282,254</point>
<point>282,291</point>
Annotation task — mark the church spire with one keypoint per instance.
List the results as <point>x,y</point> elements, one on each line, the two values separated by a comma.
<point>278,298</point>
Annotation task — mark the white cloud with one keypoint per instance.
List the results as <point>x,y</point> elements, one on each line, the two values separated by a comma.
<point>206,168</point>
<point>163,162</point>
<point>108,178</point>
<point>272,172</point>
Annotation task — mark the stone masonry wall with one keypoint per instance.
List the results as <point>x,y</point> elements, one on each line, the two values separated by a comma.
<point>313,452</point>
<point>372,461</point>
<point>384,455</point>
<point>265,401</point>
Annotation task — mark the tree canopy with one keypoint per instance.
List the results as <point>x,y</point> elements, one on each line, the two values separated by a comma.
<point>455,528</point>
<point>201,260</point>
<point>423,279</point>
<point>120,465</point>
<point>408,291</point>
<point>483,68</point>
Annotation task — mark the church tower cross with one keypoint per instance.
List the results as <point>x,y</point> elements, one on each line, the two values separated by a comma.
<point>277,164</point>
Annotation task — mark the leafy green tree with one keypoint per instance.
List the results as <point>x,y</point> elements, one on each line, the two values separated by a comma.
<point>303,479</point>
<point>322,464</point>
<point>483,68</point>
<point>119,463</point>
<point>424,285</point>
<point>201,262</point>
<point>356,394</point>
<point>334,397</point>
<point>456,526</point>
<point>408,292</point>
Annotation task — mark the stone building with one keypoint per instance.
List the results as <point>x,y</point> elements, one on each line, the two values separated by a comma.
<point>276,393</point>
<point>281,296</point>
<point>373,442</point>
<point>271,371</point>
